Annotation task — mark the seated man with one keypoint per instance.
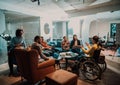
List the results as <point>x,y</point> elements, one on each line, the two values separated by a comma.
<point>16,42</point>
<point>75,43</point>
<point>36,45</point>
<point>65,44</point>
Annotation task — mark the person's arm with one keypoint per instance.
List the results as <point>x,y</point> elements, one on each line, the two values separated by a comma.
<point>12,43</point>
<point>38,48</point>
<point>89,51</point>
<point>43,56</point>
<point>68,45</point>
<point>62,45</point>
<point>88,45</point>
<point>24,43</point>
<point>49,46</point>
<point>46,46</point>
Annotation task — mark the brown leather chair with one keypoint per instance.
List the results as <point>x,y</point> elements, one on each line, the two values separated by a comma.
<point>29,65</point>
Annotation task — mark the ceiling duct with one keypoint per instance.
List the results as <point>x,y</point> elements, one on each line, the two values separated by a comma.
<point>79,1</point>
<point>37,1</point>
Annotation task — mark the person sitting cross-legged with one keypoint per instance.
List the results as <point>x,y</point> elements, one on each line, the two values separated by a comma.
<point>65,44</point>
<point>74,45</point>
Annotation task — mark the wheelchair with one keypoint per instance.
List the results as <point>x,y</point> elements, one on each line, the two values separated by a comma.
<point>91,67</point>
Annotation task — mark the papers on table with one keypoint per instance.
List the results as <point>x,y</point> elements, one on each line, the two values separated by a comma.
<point>68,54</point>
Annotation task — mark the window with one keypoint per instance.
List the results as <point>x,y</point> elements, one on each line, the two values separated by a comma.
<point>113,29</point>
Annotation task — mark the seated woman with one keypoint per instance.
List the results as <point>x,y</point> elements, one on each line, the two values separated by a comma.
<point>91,49</point>
<point>36,45</point>
<point>44,44</point>
<point>49,49</point>
<point>65,44</point>
<point>75,43</point>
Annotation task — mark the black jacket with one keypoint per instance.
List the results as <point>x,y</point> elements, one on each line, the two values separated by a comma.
<point>72,43</point>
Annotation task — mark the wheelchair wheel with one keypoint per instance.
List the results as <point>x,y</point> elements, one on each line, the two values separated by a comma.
<point>103,66</point>
<point>82,59</point>
<point>90,70</point>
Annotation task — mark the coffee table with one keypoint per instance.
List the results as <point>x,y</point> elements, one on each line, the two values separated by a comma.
<point>68,56</point>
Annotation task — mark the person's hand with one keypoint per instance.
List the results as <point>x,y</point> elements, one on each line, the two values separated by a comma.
<point>28,48</point>
<point>87,44</point>
<point>43,48</point>
<point>49,48</point>
<point>77,46</point>
<point>46,58</point>
<point>74,47</point>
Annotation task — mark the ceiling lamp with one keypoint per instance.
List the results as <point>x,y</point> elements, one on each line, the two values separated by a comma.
<point>37,1</point>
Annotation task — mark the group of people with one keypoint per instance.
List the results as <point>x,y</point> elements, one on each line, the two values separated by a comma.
<point>75,45</point>
<point>39,44</point>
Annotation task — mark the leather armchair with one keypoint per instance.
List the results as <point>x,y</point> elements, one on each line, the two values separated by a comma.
<point>29,65</point>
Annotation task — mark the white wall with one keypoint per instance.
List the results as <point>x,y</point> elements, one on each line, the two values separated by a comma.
<point>100,28</point>
<point>86,27</point>
<point>59,29</point>
<point>64,29</point>
<point>31,29</point>
<point>43,21</point>
<point>75,24</point>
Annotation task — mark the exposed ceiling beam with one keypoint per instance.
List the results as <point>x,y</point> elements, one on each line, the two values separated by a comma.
<point>114,5</point>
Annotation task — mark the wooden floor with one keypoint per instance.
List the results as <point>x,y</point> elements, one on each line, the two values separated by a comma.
<point>108,78</point>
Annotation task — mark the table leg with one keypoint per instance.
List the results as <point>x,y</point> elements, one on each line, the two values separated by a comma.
<point>66,61</point>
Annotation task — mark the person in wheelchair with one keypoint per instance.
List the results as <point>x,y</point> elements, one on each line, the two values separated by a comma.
<point>93,50</point>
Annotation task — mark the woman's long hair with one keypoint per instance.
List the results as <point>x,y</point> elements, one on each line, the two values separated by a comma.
<point>96,39</point>
<point>74,36</point>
